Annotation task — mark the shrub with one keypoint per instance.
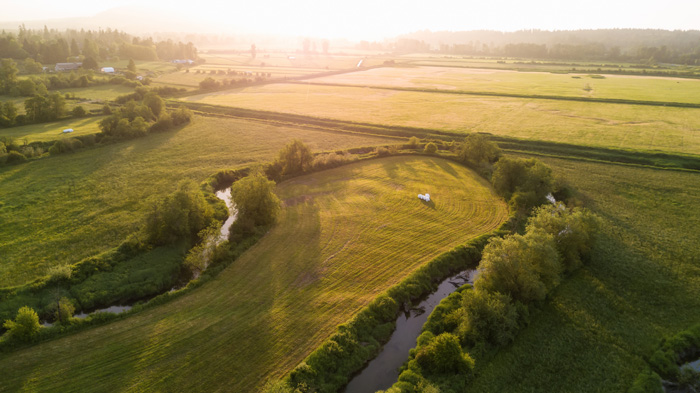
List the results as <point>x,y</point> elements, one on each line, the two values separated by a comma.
<point>63,310</point>
<point>476,149</point>
<point>444,355</point>
<point>15,157</point>
<point>531,179</point>
<point>78,111</point>
<point>181,115</point>
<point>164,123</point>
<point>413,142</point>
<point>295,158</point>
<point>25,326</point>
<point>647,382</point>
<point>430,148</point>
<point>256,201</point>
<point>525,267</point>
<point>489,318</point>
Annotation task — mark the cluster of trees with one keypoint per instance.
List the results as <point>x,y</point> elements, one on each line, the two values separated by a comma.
<point>210,83</point>
<point>13,153</point>
<point>256,202</point>
<point>51,46</point>
<point>516,273</point>
<point>137,118</point>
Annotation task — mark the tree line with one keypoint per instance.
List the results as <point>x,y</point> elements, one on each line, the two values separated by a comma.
<point>49,46</point>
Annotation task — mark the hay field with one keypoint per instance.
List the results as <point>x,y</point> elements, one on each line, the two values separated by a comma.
<point>343,236</point>
<point>624,126</point>
<point>61,209</point>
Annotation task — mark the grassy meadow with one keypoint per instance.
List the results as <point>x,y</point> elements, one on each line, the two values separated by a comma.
<point>536,83</point>
<point>47,132</point>
<point>64,208</point>
<point>344,235</point>
<point>595,124</point>
<point>643,283</point>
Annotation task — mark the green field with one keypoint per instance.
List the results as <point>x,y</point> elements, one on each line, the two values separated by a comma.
<point>595,124</point>
<point>536,83</point>
<point>46,132</point>
<point>643,283</point>
<point>344,235</point>
<point>61,209</point>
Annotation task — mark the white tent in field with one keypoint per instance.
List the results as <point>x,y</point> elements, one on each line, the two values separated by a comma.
<point>67,130</point>
<point>425,197</point>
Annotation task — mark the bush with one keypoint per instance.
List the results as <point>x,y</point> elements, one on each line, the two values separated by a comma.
<point>181,115</point>
<point>78,111</point>
<point>256,201</point>
<point>524,267</point>
<point>647,382</point>
<point>15,157</point>
<point>181,215</point>
<point>25,326</point>
<point>413,142</point>
<point>444,356</point>
<point>530,179</point>
<point>477,150</point>
<point>209,84</point>
<point>430,148</point>
<point>63,310</point>
<point>295,158</point>
<point>489,318</point>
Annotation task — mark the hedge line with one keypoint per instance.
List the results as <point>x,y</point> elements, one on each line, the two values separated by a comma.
<point>330,366</point>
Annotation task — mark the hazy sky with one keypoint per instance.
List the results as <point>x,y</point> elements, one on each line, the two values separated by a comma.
<point>374,19</point>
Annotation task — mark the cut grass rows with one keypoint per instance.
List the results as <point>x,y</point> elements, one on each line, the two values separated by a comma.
<point>61,209</point>
<point>356,230</point>
<point>592,124</point>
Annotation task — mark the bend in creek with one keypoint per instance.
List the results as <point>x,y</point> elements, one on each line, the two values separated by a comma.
<point>383,371</point>
<point>224,195</point>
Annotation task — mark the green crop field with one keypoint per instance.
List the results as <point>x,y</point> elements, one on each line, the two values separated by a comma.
<point>643,283</point>
<point>596,124</point>
<point>538,83</point>
<point>61,209</point>
<point>343,236</point>
<point>46,132</point>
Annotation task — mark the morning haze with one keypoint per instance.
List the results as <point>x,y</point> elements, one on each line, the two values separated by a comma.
<point>367,197</point>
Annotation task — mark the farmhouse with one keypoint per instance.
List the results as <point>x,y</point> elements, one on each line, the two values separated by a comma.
<point>68,66</point>
<point>108,70</point>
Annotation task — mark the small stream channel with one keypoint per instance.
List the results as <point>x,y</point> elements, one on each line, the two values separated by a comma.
<point>224,195</point>
<point>383,371</point>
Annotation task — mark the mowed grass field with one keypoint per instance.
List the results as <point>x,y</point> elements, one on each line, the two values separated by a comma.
<point>596,331</point>
<point>595,124</point>
<point>343,236</point>
<point>46,132</point>
<point>536,83</point>
<point>64,208</point>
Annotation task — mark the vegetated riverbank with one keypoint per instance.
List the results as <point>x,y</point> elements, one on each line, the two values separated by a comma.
<point>267,292</point>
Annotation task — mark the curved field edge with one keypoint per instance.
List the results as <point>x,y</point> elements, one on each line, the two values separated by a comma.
<point>256,320</point>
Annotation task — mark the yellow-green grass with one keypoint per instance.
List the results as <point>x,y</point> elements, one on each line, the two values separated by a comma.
<point>46,132</point>
<point>536,83</point>
<point>596,124</point>
<point>602,324</point>
<point>64,208</point>
<point>317,62</point>
<point>343,236</point>
<point>94,97</point>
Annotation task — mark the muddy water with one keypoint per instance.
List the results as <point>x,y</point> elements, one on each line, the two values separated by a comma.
<point>383,371</point>
<point>694,365</point>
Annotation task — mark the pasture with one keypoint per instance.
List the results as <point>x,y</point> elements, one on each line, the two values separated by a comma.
<point>536,83</point>
<point>47,132</point>
<point>61,209</point>
<point>344,235</point>
<point>599,327</point>
<point>624,126</point>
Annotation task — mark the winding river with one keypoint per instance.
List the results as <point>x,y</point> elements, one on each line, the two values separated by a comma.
<point>383,371</point>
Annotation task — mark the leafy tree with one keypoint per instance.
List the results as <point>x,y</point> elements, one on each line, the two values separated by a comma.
<point>413,142</point>
<point>8,114</point>
<point>476,149</point>
<point>31,66</point>
<point>488,317</point>
<point>209,84</point>
<point>524,183</point>
<point>574,231</point>
<point>155,103</point>
<point>26,88</point>
<point>78,111</point>
<point>25,326</point>
<point>131,66</point>
<point>255,200</point>
<point>524,267</point>
<point>8,75</point>
<point>295,158</point>
<point>431,148</point>
<point>90,63</point>
<point>181,215</point>
<point>444,355</point>
<point>64,310</point>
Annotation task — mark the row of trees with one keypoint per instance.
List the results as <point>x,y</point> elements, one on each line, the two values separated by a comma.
<point>51,46</point>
